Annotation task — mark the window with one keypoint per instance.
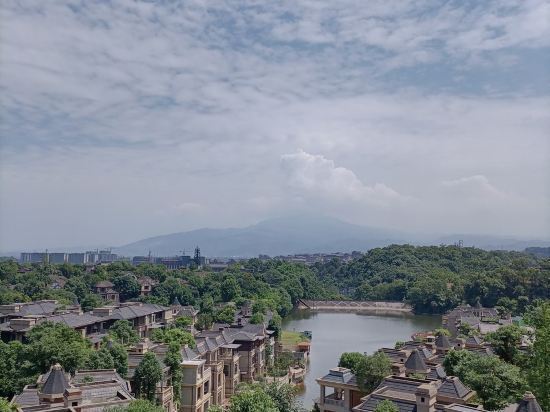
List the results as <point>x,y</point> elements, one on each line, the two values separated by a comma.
<point>422,400</point>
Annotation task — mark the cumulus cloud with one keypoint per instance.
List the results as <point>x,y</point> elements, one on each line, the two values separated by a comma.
<point>318,177</point>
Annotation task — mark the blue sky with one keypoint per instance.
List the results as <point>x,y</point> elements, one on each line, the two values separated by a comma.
<point>125,119</point>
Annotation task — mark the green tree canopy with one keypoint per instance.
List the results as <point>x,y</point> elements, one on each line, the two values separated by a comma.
<point>386,406</point>
<point>123,333</point>
<point>371,370</point>
<point>51,343</point>
<point>496,382</point>
<point>505,342</point>
<point>351,360</point>
<point>146,376</point>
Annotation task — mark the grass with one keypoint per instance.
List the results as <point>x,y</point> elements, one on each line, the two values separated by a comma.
<point>292,338</point>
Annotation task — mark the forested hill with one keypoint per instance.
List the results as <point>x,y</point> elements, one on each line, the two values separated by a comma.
<point>436,278</point>
<point>433,279</point>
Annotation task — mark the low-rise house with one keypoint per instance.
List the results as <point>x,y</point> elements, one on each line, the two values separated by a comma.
<point>87,390</point>
<point>484,320</point>
<point>344,391</point>
<point>105,290</point>
<point>146,285</point>
<point>144,317</point>
<point>21,309</point>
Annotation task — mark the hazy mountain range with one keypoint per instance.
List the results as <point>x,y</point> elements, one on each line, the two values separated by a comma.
<point>302,234</point>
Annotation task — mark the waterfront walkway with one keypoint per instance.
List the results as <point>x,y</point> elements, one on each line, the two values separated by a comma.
<point>349,305</point>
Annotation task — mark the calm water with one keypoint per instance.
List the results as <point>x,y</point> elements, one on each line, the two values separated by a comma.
<point>337,332</point>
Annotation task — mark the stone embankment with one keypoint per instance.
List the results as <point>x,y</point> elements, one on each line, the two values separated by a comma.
<point>353,306</point>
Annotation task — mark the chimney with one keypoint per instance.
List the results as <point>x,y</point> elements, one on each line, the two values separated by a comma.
<point>72,397</point>
<point>425,397</point>
<point>460,343</point>
<point>398,369</point>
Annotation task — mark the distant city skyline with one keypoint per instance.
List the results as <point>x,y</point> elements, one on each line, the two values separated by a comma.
<point>132,119</point>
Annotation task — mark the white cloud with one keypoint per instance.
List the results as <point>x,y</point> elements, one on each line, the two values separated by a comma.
<point>317,177</point>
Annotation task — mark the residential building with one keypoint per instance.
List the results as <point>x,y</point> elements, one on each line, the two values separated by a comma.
<point>484,320</point>
<point>144,318</point>
<point>58,258</point>
<point>105,290</point>
<point>146,285</point>
<point>22,309</point>
<point>33,257</point>
<point>87,390</point>
<point>77,258</point>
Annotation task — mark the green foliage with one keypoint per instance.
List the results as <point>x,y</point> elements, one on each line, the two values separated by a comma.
<point>13,377</point>
<point>173,361</point>
<point>120,357</point>
<point>6,406</point>
<point>371,370</point>
<point>226,315</point>
<point>496,382</point>
<point>127,286</point>
<point>173,336</point>
<point>274,397</point>
<point>275,324</point>
<point>204,321</point>
<point>442,332</point>
<point>351,360</point>
<point>505,342</point>
<point>172,288</point>
<point>51,343</point>
<point>100,359</point>
<point>399,344</point>
<point>90,301</point>
<point>230,289</point>
<point>386,406</point>
<point>183,322</point>
<point>146,376</point>
<point>123,333</point>
<point>139,405</point>
<point>257,318</point>
<point>537,367</point>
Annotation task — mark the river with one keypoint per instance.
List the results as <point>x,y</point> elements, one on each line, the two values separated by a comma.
<point>337,332</point>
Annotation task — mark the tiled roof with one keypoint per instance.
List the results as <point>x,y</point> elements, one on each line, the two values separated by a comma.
<point>473,340</point>
<point>340,375</point>
<point>454,388</point>
<point>528,404</point>
<point>56,383</point>
<point>104,284</point>
<point>442,341</point>
<point>369,405</point>
<point>437,373</point>
<point>415,362</point>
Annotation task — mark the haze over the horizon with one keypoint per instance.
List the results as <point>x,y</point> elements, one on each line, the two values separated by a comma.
<point>131,119</point>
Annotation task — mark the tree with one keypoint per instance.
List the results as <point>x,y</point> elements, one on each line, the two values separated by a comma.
<point>496,382</point>
<point>372,370</point>
<point>183,322</point>
<point>100,359</point>
<point>230,289</point>
<point>173,360</point>
<point>537,365</point>
<point>51,343</point>
<point>252,399</point>
<point>226,315</point>
<point>120,357</point>
<point>505,341</point>
<point>204,321</point>
<point>123,333</point>
<point>257,318</point>
<point>442,332</point>
<point>146,376</point>
<point>127,286</point>
<point>90,301</point>
<point>284,396</point>
<point>174,336</point>
<point>6,406</point>
<point>386,406</point>
<point>351,360</point>
<point>12,378</point>
<point>139,405</point>
<point>275,324</point>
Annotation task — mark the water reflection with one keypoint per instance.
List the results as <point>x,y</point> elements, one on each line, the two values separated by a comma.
<point>337,332</point>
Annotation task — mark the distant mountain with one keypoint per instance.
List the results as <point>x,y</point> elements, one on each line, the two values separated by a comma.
<point>280,236</point>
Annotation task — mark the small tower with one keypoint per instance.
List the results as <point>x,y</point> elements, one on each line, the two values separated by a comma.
<point>55,385</point>
<point>197,257</point>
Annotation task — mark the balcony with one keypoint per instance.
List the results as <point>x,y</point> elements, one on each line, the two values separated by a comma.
<point>333,401</point>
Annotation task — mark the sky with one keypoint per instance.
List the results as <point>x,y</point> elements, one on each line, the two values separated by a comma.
<point>127,119</point>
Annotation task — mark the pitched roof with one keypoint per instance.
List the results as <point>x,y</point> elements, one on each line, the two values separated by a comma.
<point>454,388</point>
<point>442,341</point>
<point>340,375</point>
<point>528,404</point>
<point>437,373</point>
<point>104,284</point>
<point>56,383</point>
<point>473,340</point>
<point>415,362</point>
